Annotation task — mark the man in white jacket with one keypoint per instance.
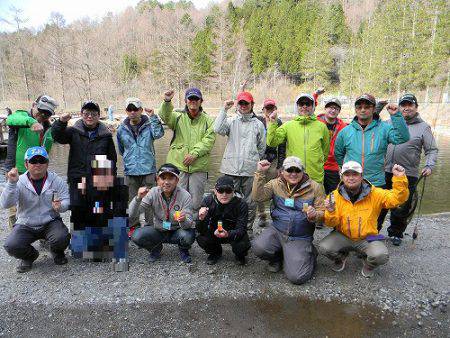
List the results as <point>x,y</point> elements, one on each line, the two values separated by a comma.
<point>40,196</point>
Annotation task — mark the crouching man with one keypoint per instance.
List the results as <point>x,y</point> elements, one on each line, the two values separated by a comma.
<point>171,206</point>
<point>40,197</point>
<point>223,218</point>
<point>297,202</point>
<point>352,209</point>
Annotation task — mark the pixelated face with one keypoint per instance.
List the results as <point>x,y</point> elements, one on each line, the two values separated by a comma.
<point>102,178</point>
<point>167,182</point>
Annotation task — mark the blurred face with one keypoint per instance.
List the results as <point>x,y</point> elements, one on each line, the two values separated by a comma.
<point>245,107</point>
<point>90,118</point>
<point>332,111</point>
<point>269,109</point>
<point>305,106</point>
<point>193,103</point>
<point>352,180</point>
<point>167,182</point>
<point>224,194</point>
<point>364,111</point>
<point>37,167</point>
<point>102,178</point>
<point>408,110</point>
<point>134,114</point>
<point>292,175</point>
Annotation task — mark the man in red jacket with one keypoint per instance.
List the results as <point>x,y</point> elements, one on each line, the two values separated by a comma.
<point>335,125</point>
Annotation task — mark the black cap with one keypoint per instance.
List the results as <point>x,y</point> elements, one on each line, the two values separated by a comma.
<point>92,105</point>
<point>168,168</point>
<point>224,182</point>
<point>408,98</point>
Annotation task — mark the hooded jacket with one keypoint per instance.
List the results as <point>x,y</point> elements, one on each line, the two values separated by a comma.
<point>359,220</point>
<point>83,147</point>
<point>331,163</point>
<point>246,144</point>
<point>33,209</point>
<point>305,137</point>
<point>190,136</point>
<point>368,146</point>
<point>137,150</point>
<point>408,154</point>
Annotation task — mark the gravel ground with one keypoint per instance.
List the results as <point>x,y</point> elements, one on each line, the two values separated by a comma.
<point>406,297</point>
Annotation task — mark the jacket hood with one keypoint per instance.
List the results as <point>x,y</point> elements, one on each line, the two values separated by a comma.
<point>27,183</point>
<point>102,129</point>
<point>304,95</point>
<point>246,117</point>
<point>144,120</point>
<point>305,119</point>
<point>375,121</point>
<point>414,120</point>
<point>366,189</point>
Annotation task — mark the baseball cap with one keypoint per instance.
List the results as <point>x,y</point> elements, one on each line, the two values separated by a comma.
<point>134,101</point>
<point>168,168</point>
<point>366,97</point>
<point>90,105</point>
<point>408,98</point>
<point>224,182</point>
<point>269,102</point>
<point>193,92</point>
<point>305,96</point>
<point>47,103</point>
<point>351,166</point>
<point>333,101</point>
<point>245,96</point>
<point>292,161</point>
<point>35,151</point>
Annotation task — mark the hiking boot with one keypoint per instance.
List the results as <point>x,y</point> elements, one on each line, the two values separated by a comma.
<point>367,271</point>
<point>274,266</point>
<point>154,255</point>
<point>240,260</point>
<point>262,222</point>
<point>185,256</point>
<point>25,265</point>
<point>396,241</point>
<point>339,264</point>
<point>60,259</point>
<point>213,259</point>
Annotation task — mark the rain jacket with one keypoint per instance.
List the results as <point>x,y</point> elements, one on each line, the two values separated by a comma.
<point>331,163</point>
<point>305,137</point>
<point>190,136</point>
<point>359,220</point>
<point>137,150</point>
<point>290,219</point>
<point>408,154</point>
<point>368,146</point>
<point>33,209</point>
<point>23,138</point>
<point>246,144</point>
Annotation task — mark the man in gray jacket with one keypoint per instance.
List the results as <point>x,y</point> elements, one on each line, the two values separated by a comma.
<point>408,155</point>
<point>172,215</point>
<point>40,197</point>
<point>246,146</point>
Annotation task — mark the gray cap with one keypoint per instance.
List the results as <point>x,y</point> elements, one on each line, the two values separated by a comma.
<point>47,103</point>
<point>333,101</point>
<point>292,161</point>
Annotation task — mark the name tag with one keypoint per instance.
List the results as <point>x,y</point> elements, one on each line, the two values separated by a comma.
<point>289,202</point>
<point>166,225</point>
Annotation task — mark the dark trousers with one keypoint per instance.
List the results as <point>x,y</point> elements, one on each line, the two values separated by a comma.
<point>213,245</point>
<point>151,239</point>
<point>331,180</point>
<point>18,243</point>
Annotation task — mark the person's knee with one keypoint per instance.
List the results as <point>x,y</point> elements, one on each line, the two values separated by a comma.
<point>378,258</point>
<point>258,247</point>
<point>241,247</point>
<point>143,235</point>
<point>187,237</point>
<point>299,277</point>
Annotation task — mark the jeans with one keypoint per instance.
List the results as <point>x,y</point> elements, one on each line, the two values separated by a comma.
<point>152,239</point>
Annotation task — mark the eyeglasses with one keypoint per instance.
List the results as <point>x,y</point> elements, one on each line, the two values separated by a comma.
<point>304,103</point>
<point>90,113</point>
<point>37,160</point>
<point>243,103</point>
<point>225,190</point>
<point>193,98</point>
<point>293,170</point>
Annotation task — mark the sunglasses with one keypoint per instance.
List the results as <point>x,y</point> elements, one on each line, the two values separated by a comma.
<point>304,103</point>
<point>193,98</point>
<point>243,103</point>
<point>37,160</point>
<point>132,108</point>
<point>293,170</point>
<point>225,190</point>
<point>90,113</point>
<point>44,113</point>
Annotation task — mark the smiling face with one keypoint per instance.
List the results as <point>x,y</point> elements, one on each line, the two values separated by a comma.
<point>37,167</point>
<point>305,106</point>
<point>352,180</point>
<point>245,107</point>
<point>364,111</point>
<point>167,182</point>
<point>408,109</point>
<point>292,175</point>
<point>332,111</point>
<point>90,118</point>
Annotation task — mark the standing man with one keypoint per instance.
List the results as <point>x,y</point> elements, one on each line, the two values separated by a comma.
<point>135,138</point>
<point>246,146</point>
<point>305,137</point>
<point>334,125</point>
<point>408,155</point>
<point>192,141</point>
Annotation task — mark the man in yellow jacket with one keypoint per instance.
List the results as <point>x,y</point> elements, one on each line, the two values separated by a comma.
<point>352,210</point>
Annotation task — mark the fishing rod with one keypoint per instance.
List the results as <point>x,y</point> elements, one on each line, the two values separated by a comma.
<point>419,210</point>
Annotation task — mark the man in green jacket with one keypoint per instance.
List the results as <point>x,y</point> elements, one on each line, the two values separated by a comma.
<point>306,137</point>
<point>192,141</point>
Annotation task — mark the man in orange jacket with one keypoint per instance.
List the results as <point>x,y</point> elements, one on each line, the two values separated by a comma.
<point>352,210</point>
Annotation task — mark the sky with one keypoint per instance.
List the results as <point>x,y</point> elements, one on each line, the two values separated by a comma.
<point>37,12</point>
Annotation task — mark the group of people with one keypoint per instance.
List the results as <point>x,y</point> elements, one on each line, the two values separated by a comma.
<point>312,169</point>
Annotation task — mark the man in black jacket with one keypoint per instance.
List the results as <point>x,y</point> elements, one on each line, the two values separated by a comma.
<point>223,218</point>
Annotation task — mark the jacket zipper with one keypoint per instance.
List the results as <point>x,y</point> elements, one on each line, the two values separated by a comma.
<point>348,227</point>
<point>359,227</point>
<point>304,143</point>
<point>362,155</point>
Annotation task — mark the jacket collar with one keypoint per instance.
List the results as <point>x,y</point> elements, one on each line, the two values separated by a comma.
<point>366,189</point>
<point>300,187</point>
<point>303,119</point>
<point>81,128</point>
<point>27,183</point>
<point>376,120</point>
<point>416,119</point>
<point>144,120</point>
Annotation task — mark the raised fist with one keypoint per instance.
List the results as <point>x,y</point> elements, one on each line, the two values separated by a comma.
<point>65,117</point>
<point>228,104</point>
<point>168,95</point>
<point>392,108</point>
<point>263,165</point>
<point>13,175</point>
<point>37,127</point>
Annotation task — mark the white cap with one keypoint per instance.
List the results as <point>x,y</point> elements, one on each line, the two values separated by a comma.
<point>351,166</point>
<point>292,161</point>
<point>134,101</point>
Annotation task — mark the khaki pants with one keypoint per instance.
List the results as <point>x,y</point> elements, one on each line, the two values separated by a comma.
<point>271,174</point>
<point>12,219</point>
<point>134,183</point>
<point>336,246</point>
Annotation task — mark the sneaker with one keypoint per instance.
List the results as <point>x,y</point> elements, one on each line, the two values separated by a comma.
<point>339,264</point>
<point>185,256</point>
<point>367,271</point>
<point>154,256</point>
<point>26,264</point>
<point>262,222</point>
<point>274,266</point>
<point>60,259</point>
<point>213,259</point>
<point>396,241</point>
<point>240,260</point>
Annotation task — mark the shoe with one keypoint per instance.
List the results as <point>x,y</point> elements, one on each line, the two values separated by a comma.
<point>367,271</point>
<point>274,266</point>
<point>26,264</point>
<point>339,264</point>
<point>240,260</point>
<point>154,256</point>
<point>60,259</point>
<point>185,256</point>
<point>396,241</point>
<point>213,259</point>
<point>262,222</point>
